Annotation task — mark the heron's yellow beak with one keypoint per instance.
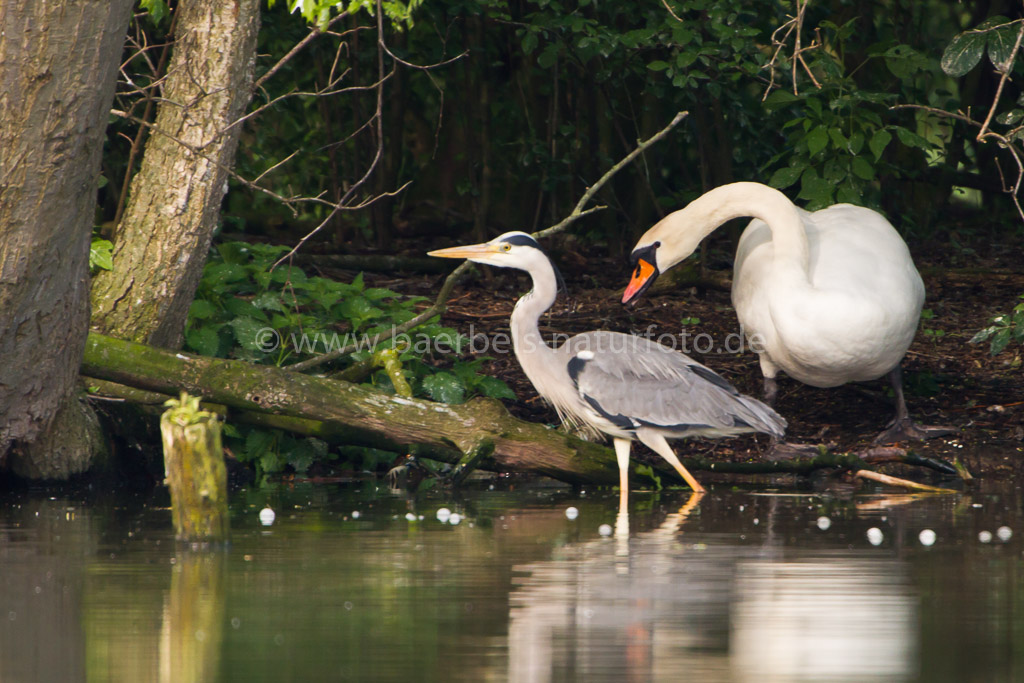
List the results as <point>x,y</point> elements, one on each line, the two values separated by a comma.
<point>467,252</point>
<point>641,277</point>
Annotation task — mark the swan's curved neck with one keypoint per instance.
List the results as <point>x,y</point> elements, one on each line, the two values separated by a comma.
<point>681,231</point>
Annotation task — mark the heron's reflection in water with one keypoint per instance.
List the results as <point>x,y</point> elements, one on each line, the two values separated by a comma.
<point>681,604</point>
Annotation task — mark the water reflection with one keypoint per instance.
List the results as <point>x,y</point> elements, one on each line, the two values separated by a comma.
<point>660,605</point>
<point>733,586</point>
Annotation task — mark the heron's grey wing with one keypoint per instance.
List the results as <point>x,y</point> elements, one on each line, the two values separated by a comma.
<point>635,382</point>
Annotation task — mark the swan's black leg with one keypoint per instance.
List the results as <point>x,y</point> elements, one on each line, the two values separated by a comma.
<point>902,428</point>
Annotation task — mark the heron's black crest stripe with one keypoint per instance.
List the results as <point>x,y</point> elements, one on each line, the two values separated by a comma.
<point>522,241</point>
<point>714,378</point>
<point>527,241</point>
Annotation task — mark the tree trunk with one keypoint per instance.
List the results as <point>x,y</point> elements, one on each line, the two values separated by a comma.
<point>58,64</point>
<point>174,204</point>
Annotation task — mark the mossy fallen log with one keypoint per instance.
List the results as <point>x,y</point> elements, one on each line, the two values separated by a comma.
<point>355,414</point>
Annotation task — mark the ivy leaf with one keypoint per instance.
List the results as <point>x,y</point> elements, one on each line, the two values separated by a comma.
<point>444,387</point>
<point>963,53</point>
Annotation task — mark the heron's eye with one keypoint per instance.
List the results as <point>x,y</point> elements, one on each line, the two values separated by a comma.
<point>506,246</point>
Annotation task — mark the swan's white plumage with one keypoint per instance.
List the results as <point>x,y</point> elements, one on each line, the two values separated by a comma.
<point>832,295</point>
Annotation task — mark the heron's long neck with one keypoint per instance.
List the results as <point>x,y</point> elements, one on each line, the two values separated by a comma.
<point>703,215</point>
<point>529,346</point>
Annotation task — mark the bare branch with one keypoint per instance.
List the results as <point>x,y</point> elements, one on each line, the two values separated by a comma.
<point>443,295</point>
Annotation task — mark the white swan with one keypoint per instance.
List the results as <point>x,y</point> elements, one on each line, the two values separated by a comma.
<point>832,296</point>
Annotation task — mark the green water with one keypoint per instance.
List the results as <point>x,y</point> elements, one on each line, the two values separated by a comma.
<point>767,585</point>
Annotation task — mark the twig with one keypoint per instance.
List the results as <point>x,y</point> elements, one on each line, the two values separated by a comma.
<point>896,481</point>
<point>314,33</point>
<point>449,283</point>
<point>1005,69</point>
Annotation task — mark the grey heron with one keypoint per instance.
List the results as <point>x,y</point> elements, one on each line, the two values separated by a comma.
<point>624,386</point>
<point>833,295</point>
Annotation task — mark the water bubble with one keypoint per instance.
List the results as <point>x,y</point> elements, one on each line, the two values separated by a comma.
<point>927,537</point>
<point>985,536</point>
<point>1004,533</point>
<point>267,516</point>
<point>443,514</point>
<point>455,518</point>
<point>605,529</point>
<point>235,622</point>
<point>410,516</point>
<point>875,536</point>
<point>572,513</point>
<point>824,523</point>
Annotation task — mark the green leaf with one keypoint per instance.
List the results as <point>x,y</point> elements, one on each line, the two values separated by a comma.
<point>445,387</point>
<point>201,309</point>
<point>657,65</point>
<point>911,139</point>
<point>862,169</point>
<point>780,98</point>
<point>157,9</point>
<point>817,191</point>
<point>1000,340</point>
<point>817,140</point>
<point>268,301</point>
<point>247,332</point>
<point>101,254</point>
<point>1010,118</point>
<point>879,141</point>
<point>495,388</point>
<point>963,54</point>
<point>839,140</point>
<point>204,340</point>
<point>240,307</point>
<point>1000,44</point>
<point>784,177</point>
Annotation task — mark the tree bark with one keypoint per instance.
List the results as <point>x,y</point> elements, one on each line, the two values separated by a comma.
<point>58,64</point>
<point>174,204</point>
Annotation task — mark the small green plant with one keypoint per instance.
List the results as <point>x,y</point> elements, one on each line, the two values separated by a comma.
<point>931,333</point>
<point>1005,328</point>
<point>689,320</point>
<point>101,255</point>
<point>245,308</point>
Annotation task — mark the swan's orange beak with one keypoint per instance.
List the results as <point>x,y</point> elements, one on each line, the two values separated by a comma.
<point>643,277</point>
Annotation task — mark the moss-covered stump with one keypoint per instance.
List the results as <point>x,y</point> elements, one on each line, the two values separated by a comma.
<point>196,476</point>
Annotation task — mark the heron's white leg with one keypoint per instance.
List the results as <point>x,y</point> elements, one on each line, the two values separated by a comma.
<point>657,443</point>
<point>622,447</point>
